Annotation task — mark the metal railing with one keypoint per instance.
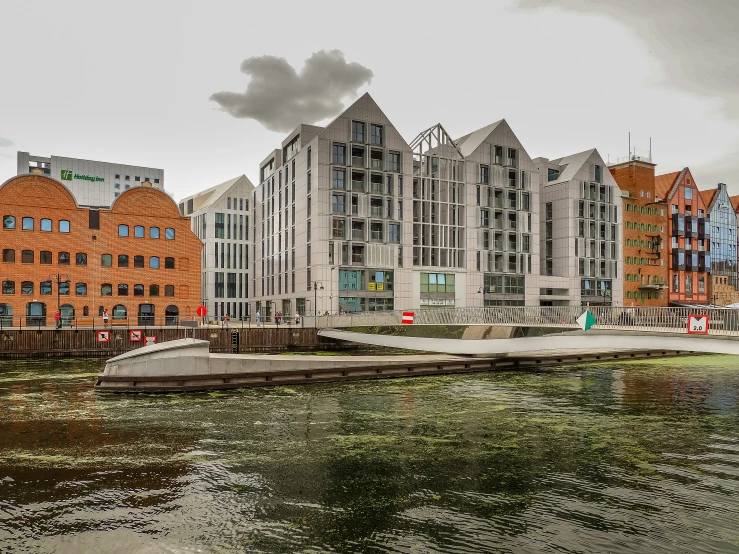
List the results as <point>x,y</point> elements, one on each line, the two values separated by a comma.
<point>142,322</point>
<point>722,321</point>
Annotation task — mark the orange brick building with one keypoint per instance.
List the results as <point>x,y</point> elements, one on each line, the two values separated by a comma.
<point>138,259</point>
<point>644,234</point>
<point>690,237</point>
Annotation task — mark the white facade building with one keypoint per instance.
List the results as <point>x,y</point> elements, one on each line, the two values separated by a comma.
<point>220,218</point>
<point>93,183</point>
<point>581,222</point>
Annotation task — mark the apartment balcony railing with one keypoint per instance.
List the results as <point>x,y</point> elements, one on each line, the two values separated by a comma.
<point>357,161</point>
<point>376,211</point>
<point>376,164</point>
<point>358,234</point>
<point>358,186</point>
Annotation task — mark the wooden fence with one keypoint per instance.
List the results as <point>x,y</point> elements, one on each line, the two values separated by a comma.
<point>64,343</point>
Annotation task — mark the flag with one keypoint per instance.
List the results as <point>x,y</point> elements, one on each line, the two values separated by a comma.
<point>586,320</point>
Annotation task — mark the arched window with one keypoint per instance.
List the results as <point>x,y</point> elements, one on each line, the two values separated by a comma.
<point>106,289</point>
<point>8,287</point>
<point>28,224</point>
<point>122,260</point>
<point>120,312</point>
<point>63,258</point>
<point>138,231</point>
<point>122,289</point>
<point>45,287</point>
<point>168,290</point>
<point>123,230</point>
<point>168,263</point>
<point>66,314</point>
<point>106,260</point>
<point>9,222</point>
<point>63,226</point>
<point>80,289</point>
<point>27,287</point>
<point>85,311</point>
<point>146,314</point>
<point>138,261</point>
<point>46,225</point>
<point>80,258</point>
<point>138,290</point>
<point>27,256</point>
<point>171,315</point>
<point>154,232</point>
<point>35,313</point>
<point>169,233</point>
<point>154,262</point>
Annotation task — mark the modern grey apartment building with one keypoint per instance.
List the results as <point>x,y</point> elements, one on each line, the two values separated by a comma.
<point>351,217</point>
<point>94,184</point>
<point>220,218</point>
<point>580,246</point>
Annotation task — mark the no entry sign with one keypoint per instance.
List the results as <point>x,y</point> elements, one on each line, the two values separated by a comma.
<point>698,324</point>
<point>201,311</point>
<point>407,318</point>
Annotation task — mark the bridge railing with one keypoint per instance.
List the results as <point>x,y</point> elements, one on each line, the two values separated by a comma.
<point>722,321</point>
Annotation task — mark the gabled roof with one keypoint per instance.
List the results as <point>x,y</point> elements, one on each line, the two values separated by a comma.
<point>471,142</point>
<point>572,164</point>
<point>208,197</point>
<point>708,197</point>
<point>663,184</point>
<point>735,202</point>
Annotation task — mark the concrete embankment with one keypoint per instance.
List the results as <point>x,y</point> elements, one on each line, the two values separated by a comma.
<point>188,365</point>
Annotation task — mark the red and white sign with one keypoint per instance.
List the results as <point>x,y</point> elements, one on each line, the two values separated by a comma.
<point>103,336</point>
<point>201,311</point>
<point>148,341</point>
<point>698,324</point>
<point>135,335</point>
<point>407,318</point>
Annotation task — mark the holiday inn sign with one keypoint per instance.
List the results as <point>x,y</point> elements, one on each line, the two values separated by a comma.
<point>67,175</point>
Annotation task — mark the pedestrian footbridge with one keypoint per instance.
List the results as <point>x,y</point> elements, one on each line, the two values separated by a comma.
<point>599,341</point>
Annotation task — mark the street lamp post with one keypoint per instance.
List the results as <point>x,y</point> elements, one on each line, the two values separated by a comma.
<point>316,284</point>
<point>59,278</point>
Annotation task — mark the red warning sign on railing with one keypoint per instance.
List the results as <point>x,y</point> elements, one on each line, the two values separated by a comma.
<point>698,324</point>
<point>407,318</point>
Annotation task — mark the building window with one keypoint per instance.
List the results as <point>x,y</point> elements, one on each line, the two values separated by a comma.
<point>338,179</point>
<point>154,232</point>
<point>688,193</point>
<point>8,255</point>
<point>153,290</point>
<point>138,261</point>
<point>106,260</point>
<point>122,290</point>
<point>80,289</point>
<point>27,287</point>
<point>27,256</point>
<point>552,174</point>
<point>138,290</point>
<point>80,258</point>
<point>138,231</point>
<point>28,224</point>
<point>169,289</point>
<point>393,232</point>
<point>123,230</point>
<point>46,225</point>
<point>168,263</point>
<point>106,289</point>
<point>45,287</point>
<point>219,289</point>
<point>219,225</point>
<point>339,154</point>
<point>8,222</point>
<point>63,258</point>
<point>8,287</point>
<point>357,131</point>
<point>154,262</point>
<point>338,203</point>
<point>169,233</point>
<point>63,226</point>
<point>376,134</point>
<point>393,161</point>
<point>437,282</point>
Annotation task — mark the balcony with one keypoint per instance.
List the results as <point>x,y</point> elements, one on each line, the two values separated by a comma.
<point>376,211</point>
<point>357,161</point>
<point>358,186</point>
<point>357,234</point>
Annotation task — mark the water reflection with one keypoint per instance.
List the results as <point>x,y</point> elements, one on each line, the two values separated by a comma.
<point>637,457</point>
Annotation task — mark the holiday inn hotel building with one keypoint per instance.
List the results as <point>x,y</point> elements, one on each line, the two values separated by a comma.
<point>94,184</point>
<point>351,217</point>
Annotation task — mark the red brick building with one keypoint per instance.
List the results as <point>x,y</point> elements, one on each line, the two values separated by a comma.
<point>138,259</point>
<point>690,238</point>
<point>645,235</point>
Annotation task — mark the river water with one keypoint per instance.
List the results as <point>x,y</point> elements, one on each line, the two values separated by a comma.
<point>627,457</point>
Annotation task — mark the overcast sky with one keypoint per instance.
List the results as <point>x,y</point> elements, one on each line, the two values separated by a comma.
<point>205,90</point>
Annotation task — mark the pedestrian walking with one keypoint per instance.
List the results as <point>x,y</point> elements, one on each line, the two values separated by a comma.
<point>57,319</point>
<point>259,318</point>
<point>225,321</point>
<point>105,317</point>
<point>278,315</point>
<point>297,318</point>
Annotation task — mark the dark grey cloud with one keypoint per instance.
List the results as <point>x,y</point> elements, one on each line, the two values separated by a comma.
<point>697,43</point>
<point>4,143</point>
<point>280,98</point>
